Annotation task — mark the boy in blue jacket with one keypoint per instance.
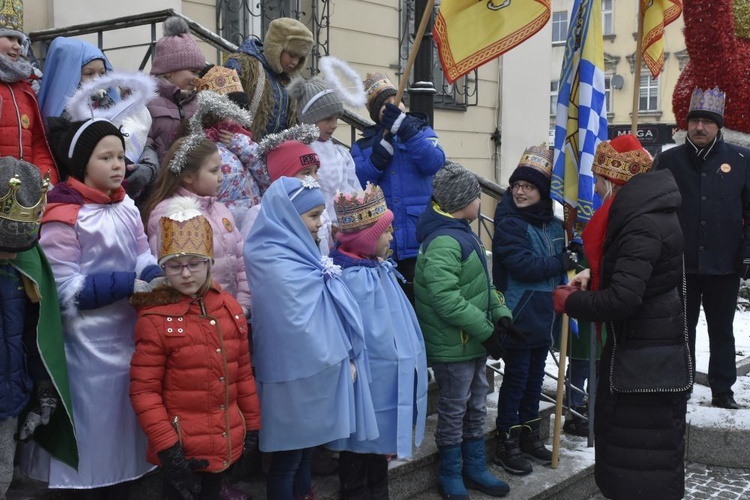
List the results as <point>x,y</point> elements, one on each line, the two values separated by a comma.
<point>401,154</point>
<point>529,261</point>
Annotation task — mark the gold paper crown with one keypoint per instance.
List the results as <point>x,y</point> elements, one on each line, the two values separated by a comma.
<point>538,158</point>
<point>220,80</point>
<point>360,210</point>
<point>620,167</point>
<point>185,231</point>
<point>375,83</point>
<point>12,210</point>
<point>712,100</point>
<point>11,14</point>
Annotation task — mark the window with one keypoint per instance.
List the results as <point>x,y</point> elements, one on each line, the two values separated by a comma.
<point>649,92</point>
<point>559,26</point>
<point>608,17</point>
<point>608,93</point>
<point>554,87</point>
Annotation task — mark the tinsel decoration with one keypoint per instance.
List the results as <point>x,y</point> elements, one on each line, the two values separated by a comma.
<point>211,103</point>
<point>306,134</point>
<point>180,156</point>
<point>716,39</point>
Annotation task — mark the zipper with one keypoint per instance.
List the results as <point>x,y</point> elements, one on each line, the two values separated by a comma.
<point>226,385</point>
<point>176,425</point>
<point>18,120</point>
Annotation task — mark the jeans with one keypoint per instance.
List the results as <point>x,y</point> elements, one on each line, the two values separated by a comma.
<point>521,389</point>
<point>210,487</point>
<point>578,373</point>
<point>289,474</point>
<point>719,297</point>
<point>462,400</point>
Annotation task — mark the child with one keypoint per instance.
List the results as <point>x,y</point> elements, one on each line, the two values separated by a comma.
<point>401,154</point>
<point>192,170</point>
<point>177,61</point>
<point>461,315</point>
<point>288,154</point>
<point>322,106</point>
<point>69,62</point>
<point>192,357</point>
<point>245,178</point>
<point>265,69</point>
<point>21,126</point>
<point>395,347</point>
<point>94,239</point>
<point>308,339</point>
<point>31,329</point>
<point>529,261</point>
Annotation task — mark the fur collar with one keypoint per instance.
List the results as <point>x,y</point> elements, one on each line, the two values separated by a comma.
<point>160,296</point>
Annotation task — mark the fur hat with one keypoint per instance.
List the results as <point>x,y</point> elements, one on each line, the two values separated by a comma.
<point>72,143</point>
<point>378,88</point>
<point>621,158</point>
<point>315,100</point>
<point>535,167</point>
<point>176,50</point>
<point>287,34</point>
<point>11,22</point>
<point>454,187</point>
<point>362,218</point>
<point>23,196</point>
<point>708,104</point>
<point>184,231</point>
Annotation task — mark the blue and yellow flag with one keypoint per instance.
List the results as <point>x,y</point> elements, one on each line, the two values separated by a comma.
<point>581,122</point>
<point>656,15</point>
<point>470,33</point>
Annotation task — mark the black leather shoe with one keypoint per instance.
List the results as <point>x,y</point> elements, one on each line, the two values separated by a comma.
<point>725,401</point>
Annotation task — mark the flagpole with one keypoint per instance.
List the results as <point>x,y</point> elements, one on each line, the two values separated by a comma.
<point>415,48</point>
<point>560,388</point>
<point>637,68</point>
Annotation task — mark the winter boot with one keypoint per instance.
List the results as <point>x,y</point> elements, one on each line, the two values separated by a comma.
<point>451,483</point>
<point>531,443</point>
<point>475,473</point>
<point>508,455</point>
<point>575,425</point>
<point>229,492</point>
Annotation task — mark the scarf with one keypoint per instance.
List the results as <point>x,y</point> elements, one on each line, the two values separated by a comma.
<point>593,237</point>
<point>14,71</point>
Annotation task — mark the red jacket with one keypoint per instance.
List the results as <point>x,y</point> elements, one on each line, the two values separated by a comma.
<point>190,375</point>
<point>22,132</point>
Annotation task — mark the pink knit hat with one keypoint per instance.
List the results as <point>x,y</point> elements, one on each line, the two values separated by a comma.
<point>176,50</point>
<point>362,218</point>
<point>288,158</point>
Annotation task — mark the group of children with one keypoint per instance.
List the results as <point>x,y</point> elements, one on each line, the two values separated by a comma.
<point>225,230</point>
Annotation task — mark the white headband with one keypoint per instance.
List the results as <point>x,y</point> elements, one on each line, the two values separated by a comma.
<point>78,135</point>
<point>315,98</point>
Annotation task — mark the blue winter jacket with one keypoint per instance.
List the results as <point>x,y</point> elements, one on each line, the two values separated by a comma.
<point>16,322</point>
<point>526,267</point>
<point>406,182</point>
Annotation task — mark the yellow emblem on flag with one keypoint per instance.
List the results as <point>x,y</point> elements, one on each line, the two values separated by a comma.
<point>470,33</point>
<point>656,15</point>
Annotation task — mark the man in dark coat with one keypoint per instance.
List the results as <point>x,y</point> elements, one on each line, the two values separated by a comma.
<point>714,180</point>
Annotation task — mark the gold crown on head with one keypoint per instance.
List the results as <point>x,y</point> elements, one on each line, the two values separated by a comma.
<point>360,210</point>
<point>711,100</point>
<point>539,158</point>
<point>620,167</point>
<point>11,14</point>
<point>220,80</point>
<point>11,209</point>
<point>185,231</point>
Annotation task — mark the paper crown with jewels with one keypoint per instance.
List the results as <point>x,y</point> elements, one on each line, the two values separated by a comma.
<point>621,158</point>
<point>184,231</point>
<point>22,205</point>
<point>360,210</point>
<point>707,104</point>
<point>220,80</point>
<point>538,158</point>
<point>11,15</point>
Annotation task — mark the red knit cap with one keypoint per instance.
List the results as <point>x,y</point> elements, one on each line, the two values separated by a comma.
<point>288,158</point>
<point>365,242</point>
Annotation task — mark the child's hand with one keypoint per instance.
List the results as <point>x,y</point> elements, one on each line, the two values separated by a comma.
<point>353,371</point>
<point>398,122</point>
<point>225,136</point>
<point>47,400</point>
<point>140,286</point>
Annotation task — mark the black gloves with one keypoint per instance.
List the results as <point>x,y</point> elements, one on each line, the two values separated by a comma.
<point>250,460</point>
<point>382,154</point>
<point>505,327</point>
<point>493,346</point>
<point>251,441</point>
<point>398,122</point>
<point>569,259</point>
<point>180,471</point>
<point>46,404</point>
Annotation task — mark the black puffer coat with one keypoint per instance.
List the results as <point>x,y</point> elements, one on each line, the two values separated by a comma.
<point>639,437</point>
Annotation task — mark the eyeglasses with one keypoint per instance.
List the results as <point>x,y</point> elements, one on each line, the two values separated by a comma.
<point>526,188</point>
<point>175,269</point>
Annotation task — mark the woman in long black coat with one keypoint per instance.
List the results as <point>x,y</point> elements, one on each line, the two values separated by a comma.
<point>634,246</point>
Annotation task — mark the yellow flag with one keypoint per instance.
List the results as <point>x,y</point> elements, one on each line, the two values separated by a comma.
<point>470,33</point>
<point>656,15</point>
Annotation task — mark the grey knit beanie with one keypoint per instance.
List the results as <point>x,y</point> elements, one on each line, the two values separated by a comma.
<point>315,100</point>
<point>454,187</point>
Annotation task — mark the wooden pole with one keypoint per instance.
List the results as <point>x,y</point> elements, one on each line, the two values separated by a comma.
<point>637,71</point>
<point>414,49</point>
<point>560,390</point>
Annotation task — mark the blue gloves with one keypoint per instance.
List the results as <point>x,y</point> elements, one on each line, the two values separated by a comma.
<point>382,154</point>
<point>398,123</point>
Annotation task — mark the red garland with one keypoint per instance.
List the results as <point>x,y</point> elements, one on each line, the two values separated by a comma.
<point>717,58</point>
